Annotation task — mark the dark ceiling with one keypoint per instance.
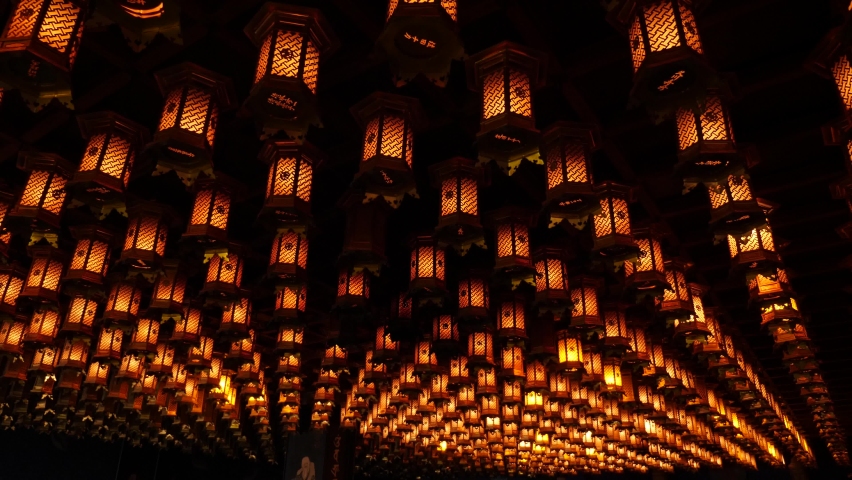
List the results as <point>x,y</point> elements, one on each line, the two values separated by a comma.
<point>779,111</point>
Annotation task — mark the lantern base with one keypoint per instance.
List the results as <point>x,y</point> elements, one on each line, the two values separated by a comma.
<point>283,105</point>
<point>670,79</point>
<point>187,154</point>
<point>507,141</point>
<point>737,217</point>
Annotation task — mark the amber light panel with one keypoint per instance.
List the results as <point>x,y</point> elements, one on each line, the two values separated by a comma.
<point>445,330</point>
<point>427,265</point>
<point>480,348</point>
<point>108,345</point>
<point>45,272</point>
<point>224,273</point>
<point>123,303</point>
<point>236,317</point>
<point>169,289</point>
<point>163,360</point>
<point>290,301</point>
<point>511,319</point>
<point>12,336</point>
<point>289,257</point>
<point>569,351</point>
<point>210,211</point>
<point>290,177</point>
<point>615,327</point>
<point>613,234</point>
<point>90,260</point>
<point>659,26</point>
<point>147,232</point>
<point>289,339</point>
<point>388,131</point>
<point>43,327</point>
<point>473,297</point>
<point>11,283</point>
<point>353,287</point>
<point>753,246</point>
<point>706,130</point>
<point>584,296</point>
<point>74,354</point>
<point>46,188</point>
<point>551,280</point>
<point>187,327</point>
<point>647,271</point>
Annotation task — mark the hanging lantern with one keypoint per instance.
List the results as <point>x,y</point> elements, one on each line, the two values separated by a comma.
<point>187,328</point>
<point>677,298</point>
<point>425,360</point>
<point>768,284</point>
<point>536,377</point>
<point>480,348</point>
<point>236,318</point>
<point>613,383</point>
<point>566,148</point>
<point>734,209</point>
<point>638,352</point>
<point>140,20</point>
<point>90,260</point>
<point>386,162</point>
<point>335,358</point>
<point>289,339</point>
<point>11,283</point>
<point>646,273</point>
<point>147,232</point>
<point>44,360</point>
<point>353,288</point>
<point>616,336</point>
<point>386,348</point>
<point>510,322</point>
<point>241,351</point>
<point>551,280</point>
<point>458,224</point>
<point>292,42</point>
<point>6,202</point>
<point>507,74</point>
<point>169,290</point>
<point>163,361</point>
<point>132,367</point>
<point>12,337</point>
<point>288,186</point>
<point>512,361</point>
<point>108,347</point>
<point>753,248</point>
<point>123,304</point>
<point>290,303</point>
<point>200,357</point>
<point>104,172</point>
<point>211,208</point>
<point>706,147</point>
<point>512,254</point>
<point>289,257</point>
<point>80,316</point>
<point>486,382</point>
<point>427,268</point>
<point>584,296</point>
<point>43,327</point>
<point>97,374</point>
<point>39,46</point>
<point>459,373</point>
<point>560,388</point>
<point>445,335</point>
<point>74,354</point>
<point>225,273</point>
<point>668,59</point>
<point>45,271</point>
<point>693,326</point>
<point>570,351</point>
<point>613,235</point>
<point>44,194</point>
<point>184,139</point>
<point>473,298</point>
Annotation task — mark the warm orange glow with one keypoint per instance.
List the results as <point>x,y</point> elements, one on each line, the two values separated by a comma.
<point>289,254</point>
<point>11,283</point>
<point>551,281</point>
<point>169,289</point>
<point>108,346</point>
<point>44,275</point>
<point>585,298</point>
<point>290,339</point>
<point>744,246</point>
<point>480,348</point>
<point>513,242</point>
<point>353,284</point>
<point>187,327</point>
<point>570,350</point>
<point>12,336</point>
<point>445,328</point>
<point>80,316</point>
<point>74,354</point>
<point>211,209</point>
<point>43,327</point>
<point>511,319</point>
<point>123,303</point>
<point>146,237</point>
<point>668,24</point>
<point>224,274</point>
<point>236,317</point>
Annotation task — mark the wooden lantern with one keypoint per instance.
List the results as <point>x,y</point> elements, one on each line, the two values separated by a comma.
<point>694,326</point>
<point>353,288</point>
<point>200,357</point>
<point>289,258</point>
<point>241,351</point>
<point>289,339</point>
<point>486,382</point>
<point>706,146</point>
<point>236,318</point>
<point>647,273</point>
<point>458,224</point>
<point>753,248</point>
<point>425,360</point>
<point>506,75</point>
<point>385,347</point>
<point>511,322</point>
<point>613,234</point>
<point>187,327</point>
<point>459,372</point>
<point>638,353</point>
<point>43,327</point>
<point>39,45</point>
<point>428,267</point>
<point>44,194</point>
<point>421,37</point>
<point>6,202</point>
<point>184,139</point>
<point>768,284</point>
<point>11,283</point>
<point>388,149</point>
<point>211,209</point>
<point>616,336</point>
<point>290,303</point>
<point>513,243</point>
<point>551,278</point>
<point>292,42</point>
<point>225,273</point>
<point>42,281</point>
<point>123,304</point>
<point>169,290</point>
<point>147,233</point>
<point>445,334</point>
<point>90,260</point>
<point>163,361</point>
<point>290,179</point>
<point>132,367</point>
<point>570,351</point>
<point>512,363</point>
<point>74,354</point>
<point>80,316</point>
<point>140,20</point>
<point>480,348</point>
<point>112,144</point>
<point>566,150</point>
<point>584,297</point>
<point>677,297</point>
<point>734,209</point>
<point>473,298</point>
<point>108,346</point>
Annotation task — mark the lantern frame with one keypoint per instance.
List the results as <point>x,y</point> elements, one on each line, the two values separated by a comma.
<point>94,235</point>
<point>140,216</point>
<point>566,150</point>
<point>734,209</point>
<point>169,289</point>
<point>586,308</point>
<point>613,234</point>
<point>44,274</point>
<point>289,185</point>
<point>12,280</point>
<point>764,253</point>
<point>214,197</point>
<point>290,304</point>
<point>427,268</point>
<point>513,251</point>
<point>459,180</point>
<point>53,175</point>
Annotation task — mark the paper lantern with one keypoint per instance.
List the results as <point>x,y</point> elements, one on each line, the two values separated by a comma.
<point>80,316</point>
<point>668,62</point>
<point>225,273</point>
<point>43,327</point>
<point>570,351</point>
<point>290,303</point>
<point>566,150</point>
<point>39,46</point>
<point>169,290</point>
<point>112,144</point>
<point>458,224</point>
<point>612,230</point>
<point>473,298</point>
<point>147,233</point>
<point>353,288</point>
<point>290,178</point>
<point>421,37</point>
<point>123,304</point>
<point>90,260</point>
<point>292,42</point>
<point>386,162</point>
<point>511,319</point>
<point>11,283</point>
<point>12,337</point>
<point>551,280</point>
<point>74,354</point>
<point>42,281</point>
<point>512,254</point>
<point>584,296</point>
<point>211,208</point>
<point>480,348</point>
<point>506,75</point>
<point>753,248</point>
<point>236,318</point>
<point>108,346</point>
<point>427,268</point>
<point>289,339</point>
<point>44,194</point>
<point>194,98</point>
<point>768,284</point>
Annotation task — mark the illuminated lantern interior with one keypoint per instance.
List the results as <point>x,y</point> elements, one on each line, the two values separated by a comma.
<point>11,283</point>
<point>43,327</point>
<point>353,286</point>
<point>584,296</point>
<point>74,354</point>
<point>147,232</point>
<point>289,257</point>
<point>163,360</point>
<point>659,27</point>
<point>108,345</point>
<point>613,235</point>
<point>91,256</point>
<point>291,170</point>
<point>551,280</point>
<point>427,265</point>
<point>80,316</point>
<point>480,348</point>
<point>473,297</point>
<point>123,303</point>
<point>511,321</point>
<point>647,272</point>
<point>512,362</point>
<point>169,289</point>
<point>290,301</point>
<point>46,188</point>
<point>236,317</point>
<point>755,245</point>
<point>445,330</point>
<point>44,274</point>
<point>513,240</point>
<point>210,210</point>
<point>677,298</point>
<point>290,339</point>
<point>187,327</point>
<point>224,273</point>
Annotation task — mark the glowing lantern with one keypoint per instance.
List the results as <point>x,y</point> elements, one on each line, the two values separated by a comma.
<point>566,148</point>
<point>706,147</point>
<point>12,337</point>
<point>44,360</point>
<point>45,271</point>
<point>147,233</point>
<point>292,41</point>
<point>74,354</point>
<point>693,326</point>
<point>486,382</point>
<point>613,235</point>
<point>335,358</point>
<point>386,162</point>
<point>288,186</point>
<point>427,267</point>
<point>187,328</point>
<point>236,318</point>
<point>98,374</point>
<point>507,74</point>
<point>536,376</point>
<point>445,335</point>
<point>510,322</point>
<point>677,298</point>
<point>163,361</point>
<point>551,280</point>
<point>668,64</point>
<point>211,208</point>
<point>184,139</point>
<point>512,254</point>
<point>123,304</point>
<point>91,256</point>
<point>480,348</point>
<point>385,347</point>
<point>169,290</point>
<point>289,257</point>
<point>241,351</point>
<point>560,387</point>
<point>512,361</point>
<point>638,353</point>
<point>473,298</point>
<point>289,364</point>
<point>459,373</point>
<point>425,360</point>
<point>753,248</point>
<point>11,283</point>
<point>290,303</point>
<point>613,383</point>
<point>734,209</point>
<point>104,172</point>
<point>646,273</point>
<point>584,296</point>
<point>289,339</point>
<point>353,288</point>
<point>200,358</point>
<point>409,380</point>
<point>225,273</point>
<point>43,327</point>
<point>616,336</point>
<point>132,367</point>
<point>6,201</point>
<point>39,46</point>
<point>458,223</point>
<point>570,351</point>
<point>108,347</point>
<point>44,194</point>
<point>80,316</point>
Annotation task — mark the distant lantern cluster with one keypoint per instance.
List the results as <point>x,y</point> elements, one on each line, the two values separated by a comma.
<point>578,345</point>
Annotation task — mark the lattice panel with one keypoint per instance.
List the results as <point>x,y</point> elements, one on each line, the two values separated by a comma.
<point>621,216</point>
<point>142,234</point>
<point>58,24</point>
<point>117,161</point>
<point>512,315</point>
<point>713,125</point>
<point>493,95</point>
<point>637,340</point>
<point>55,195</point>
<point>749,242</point>
<point>75,44</point>
<point>287,54</point>
<point>732,246</point>
<point>263,59</point>
<point>124,298</point>
<point>311,67</point>
<point>282,176</point>
<point>10,287</point>
<point>303,190</point>
<point>92,153</point>
<point>212,121</point>
<point>449,196</point>
<point>690,28</point>
<point>585,301</point>
<point>201,208</point>
<point>24,18</point>
<point>371,139</point>
<point>637,44</point>
<point>740,190</point>
<point>450,8</point>
<point>195,108</point>
<point>555,278</point>
<point>687,132</point>
<point>718,196</point>
<point>520,96</point>
<point>409,146</point>
<point>644,261</point>
<point>469,194</point>
<point>221,210</point>
<point>575,163</point>
<point>44,322</point>
<point>766,238</point>
<point>661,25</point>
<point>393,135</point>
<point>35,189</point>
<point>554,168</point>
<point>291,248</point>
<point>392,7</point>
<point>603,222</point>
<point>170,109</point>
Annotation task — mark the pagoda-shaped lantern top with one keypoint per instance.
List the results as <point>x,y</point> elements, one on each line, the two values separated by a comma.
<point>293,40</point>
<point>290,179</point>
<point>112,143</point>
<point>44,194</point>
<point>387,156</point>
<point>566,149</point>
<point>458,224</point>
<point>38,47</point>
<point>612,229</point>
<point>194,99</point>
<point>506,75</point>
